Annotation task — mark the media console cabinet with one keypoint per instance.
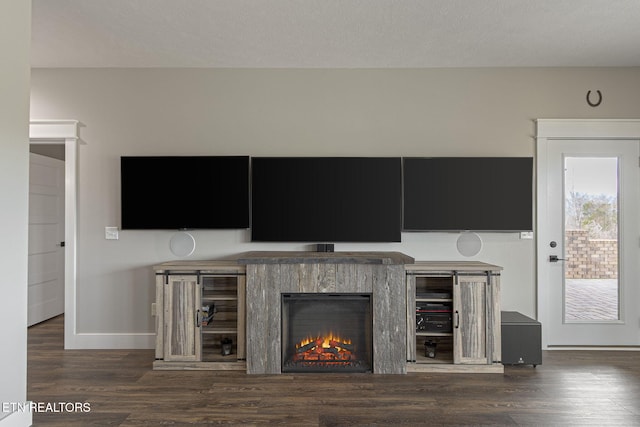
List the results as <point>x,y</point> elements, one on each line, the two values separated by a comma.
<point>200,304</point>
<point>463,298</point>
<point>226,315</point>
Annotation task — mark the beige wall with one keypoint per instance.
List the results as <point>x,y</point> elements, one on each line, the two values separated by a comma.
<point>15,39</point>
<point>434,112</point>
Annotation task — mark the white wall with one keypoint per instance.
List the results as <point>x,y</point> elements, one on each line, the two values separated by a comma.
<point>15,39</point>
<point>436,112</point>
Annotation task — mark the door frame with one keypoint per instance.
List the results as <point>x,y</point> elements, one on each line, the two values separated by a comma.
<point>548,130</point>
<point>65,132</point>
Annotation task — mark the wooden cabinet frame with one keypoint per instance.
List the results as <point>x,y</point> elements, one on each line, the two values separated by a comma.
<point>475,301</point>
<point>178,310</point>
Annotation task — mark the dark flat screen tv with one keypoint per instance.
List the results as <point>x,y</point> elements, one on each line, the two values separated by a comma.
<point>468,193</point>
<point>326,199</point>
<point>184,192</point>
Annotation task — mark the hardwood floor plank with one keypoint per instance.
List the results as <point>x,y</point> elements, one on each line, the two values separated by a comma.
<point>570,388</point>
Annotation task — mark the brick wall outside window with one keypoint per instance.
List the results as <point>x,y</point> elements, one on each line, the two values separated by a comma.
<point>590,258</point>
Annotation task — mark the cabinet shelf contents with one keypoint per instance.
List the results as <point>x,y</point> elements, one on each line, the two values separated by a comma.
<point>434,334</point>
<point>221,297</point>
<point>435,350</point>
<point>220,327</point>
<point>221,293</point>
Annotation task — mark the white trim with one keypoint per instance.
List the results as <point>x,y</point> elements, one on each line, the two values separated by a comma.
<point>65,132</point>
<point>16,418</point>
<point>586,129</point>
<point>553,348</point>
<point>542,233</point>
<point>550,129</point>
<point>71,241</point>
<point>53,129</point>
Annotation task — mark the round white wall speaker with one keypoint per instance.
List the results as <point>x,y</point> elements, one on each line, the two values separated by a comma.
<point>182,244</point>
<point>469,244</point>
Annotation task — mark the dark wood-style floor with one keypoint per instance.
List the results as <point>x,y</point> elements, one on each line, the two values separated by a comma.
<point>569,388</point>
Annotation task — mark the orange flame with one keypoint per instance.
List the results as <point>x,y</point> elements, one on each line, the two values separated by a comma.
<point>326,340</point>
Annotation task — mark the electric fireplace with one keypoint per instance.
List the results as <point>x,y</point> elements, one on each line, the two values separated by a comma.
<point>327,332</point>
<point>273,334</point>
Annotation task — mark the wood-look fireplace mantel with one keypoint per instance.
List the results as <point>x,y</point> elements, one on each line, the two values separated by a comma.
<point>269,274</point>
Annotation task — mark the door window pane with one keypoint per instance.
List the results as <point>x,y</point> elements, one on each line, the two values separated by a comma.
<point>591,285</point>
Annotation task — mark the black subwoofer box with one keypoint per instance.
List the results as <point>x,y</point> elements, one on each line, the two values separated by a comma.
<point>521,339</point>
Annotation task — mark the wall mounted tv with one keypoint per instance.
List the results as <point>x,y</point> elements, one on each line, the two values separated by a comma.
<point>190,192</point>
<point>326,199</point>
<point>468,193</point>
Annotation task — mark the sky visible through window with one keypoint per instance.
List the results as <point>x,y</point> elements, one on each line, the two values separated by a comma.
<point>592,175</point>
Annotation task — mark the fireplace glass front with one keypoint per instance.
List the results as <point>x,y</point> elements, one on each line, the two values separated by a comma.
<point>327,333</point>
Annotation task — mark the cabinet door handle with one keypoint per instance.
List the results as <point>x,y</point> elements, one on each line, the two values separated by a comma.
<point>197,318</point>
<point>457,319</point>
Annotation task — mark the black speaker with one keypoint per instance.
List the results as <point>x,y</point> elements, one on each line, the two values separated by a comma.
<point>521,339</point>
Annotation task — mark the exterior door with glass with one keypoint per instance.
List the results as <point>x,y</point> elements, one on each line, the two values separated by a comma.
<point>590,244</point>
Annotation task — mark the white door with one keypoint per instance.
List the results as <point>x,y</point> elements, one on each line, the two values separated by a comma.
<point>46,236</point>
<point>591,243</point>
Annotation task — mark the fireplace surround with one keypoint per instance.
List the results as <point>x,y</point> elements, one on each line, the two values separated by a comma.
<point>271,274</point>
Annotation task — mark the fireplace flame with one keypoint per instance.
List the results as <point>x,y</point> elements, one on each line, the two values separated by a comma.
<point>327,349</point>
<point>326,340</point>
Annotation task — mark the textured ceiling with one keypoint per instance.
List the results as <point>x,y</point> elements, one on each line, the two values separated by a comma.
<point>335,33</point>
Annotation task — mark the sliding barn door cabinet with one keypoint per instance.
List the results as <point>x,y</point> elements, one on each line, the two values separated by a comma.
<point>453,317</point>
<point>200,316</point>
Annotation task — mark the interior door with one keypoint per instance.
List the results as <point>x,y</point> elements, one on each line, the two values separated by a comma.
<point>592,246</point>
<point>46,235</point>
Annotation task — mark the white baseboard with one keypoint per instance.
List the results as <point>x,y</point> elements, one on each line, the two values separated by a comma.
<point>106,341</point>
<point>16,419</point>
<point>603,348</point>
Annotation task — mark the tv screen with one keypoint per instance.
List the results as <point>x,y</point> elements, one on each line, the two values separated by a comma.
<point>468,193</point>
<point>326,199</point>
<point>184,192</point>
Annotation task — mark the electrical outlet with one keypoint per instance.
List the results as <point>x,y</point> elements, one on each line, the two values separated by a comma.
<point>111,233</point>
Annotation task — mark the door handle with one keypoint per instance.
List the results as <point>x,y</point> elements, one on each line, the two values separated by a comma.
<point>554,258</point>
